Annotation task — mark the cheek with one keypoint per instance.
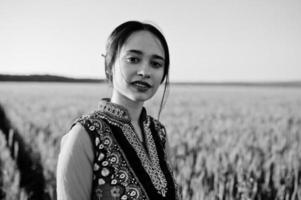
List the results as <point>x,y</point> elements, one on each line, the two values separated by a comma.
<point>122,75</point>
<point>126,71</point>
<point>159,76</point>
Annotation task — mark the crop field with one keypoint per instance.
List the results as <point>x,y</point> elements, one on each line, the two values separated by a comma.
<point>227,142</point>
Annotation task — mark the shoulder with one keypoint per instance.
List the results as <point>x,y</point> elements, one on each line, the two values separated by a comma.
<point>91,122</point>
<point>86,118</point>
<point>160,129</point>
<point>77,136</point>
<point>75,157</point>
<point>76,144</point>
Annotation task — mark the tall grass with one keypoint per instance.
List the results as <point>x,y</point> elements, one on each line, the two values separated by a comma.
<point>227,142</point>
<point>27,161</point>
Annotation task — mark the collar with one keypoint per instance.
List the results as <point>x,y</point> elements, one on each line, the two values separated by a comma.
<point>118,111</point>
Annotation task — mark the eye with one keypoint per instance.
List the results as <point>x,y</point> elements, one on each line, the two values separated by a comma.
<point>132,59</point>
<point>156,64</point>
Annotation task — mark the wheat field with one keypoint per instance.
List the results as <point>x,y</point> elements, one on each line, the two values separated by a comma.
<point>227,142</point>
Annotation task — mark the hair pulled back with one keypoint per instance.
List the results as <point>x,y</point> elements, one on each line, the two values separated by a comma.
<point>118,38</point>
<point>120,35</point>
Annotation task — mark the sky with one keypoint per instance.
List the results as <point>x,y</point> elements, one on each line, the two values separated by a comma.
<point>209,40</point>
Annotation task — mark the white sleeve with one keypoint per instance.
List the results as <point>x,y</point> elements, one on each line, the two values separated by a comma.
<point>74,168</point>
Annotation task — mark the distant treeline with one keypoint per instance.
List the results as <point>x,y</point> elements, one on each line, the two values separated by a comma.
<point>53,78</point>
<point>246,84</point>
<point>46,78</point>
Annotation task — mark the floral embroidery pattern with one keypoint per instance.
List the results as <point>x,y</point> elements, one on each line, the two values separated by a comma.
<point>152,165</point>
<point>162,135</point>
<point>114,110</point>
<point>111,175</point>
<point>161,132</point>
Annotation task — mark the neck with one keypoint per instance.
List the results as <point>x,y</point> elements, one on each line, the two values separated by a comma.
<point>134,108</point>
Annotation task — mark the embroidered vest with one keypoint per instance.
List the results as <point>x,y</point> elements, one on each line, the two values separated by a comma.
<point>123,167</point>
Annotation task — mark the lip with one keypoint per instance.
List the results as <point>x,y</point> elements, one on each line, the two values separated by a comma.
<point>141,84</point>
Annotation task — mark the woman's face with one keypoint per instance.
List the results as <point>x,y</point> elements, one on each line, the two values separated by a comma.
<point>139,67</point>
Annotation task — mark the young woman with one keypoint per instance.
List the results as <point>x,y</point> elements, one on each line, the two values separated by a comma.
<point>118,151</point>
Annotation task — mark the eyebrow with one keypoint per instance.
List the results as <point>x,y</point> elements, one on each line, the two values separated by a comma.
<point>141,53</point>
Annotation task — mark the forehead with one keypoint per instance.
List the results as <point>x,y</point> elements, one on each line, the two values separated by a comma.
<point>145,42</point>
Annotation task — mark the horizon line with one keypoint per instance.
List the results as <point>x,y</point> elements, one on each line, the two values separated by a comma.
<point>91,79</point>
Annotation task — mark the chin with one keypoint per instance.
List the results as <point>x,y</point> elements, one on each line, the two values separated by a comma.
<point>140,98</point>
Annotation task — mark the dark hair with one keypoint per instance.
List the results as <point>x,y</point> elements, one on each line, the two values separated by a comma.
<point>117,39</point>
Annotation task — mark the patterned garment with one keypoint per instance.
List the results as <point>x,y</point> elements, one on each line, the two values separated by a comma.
<point>124,167</point>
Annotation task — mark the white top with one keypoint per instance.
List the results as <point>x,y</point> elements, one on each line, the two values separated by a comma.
<point>74,167</point>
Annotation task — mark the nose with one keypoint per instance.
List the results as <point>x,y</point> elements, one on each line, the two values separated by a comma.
<point>144,70</point>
